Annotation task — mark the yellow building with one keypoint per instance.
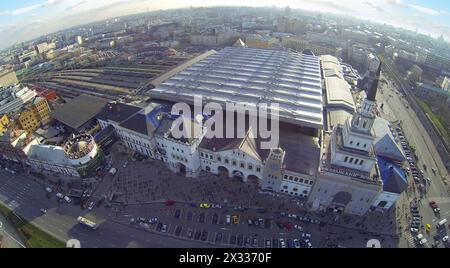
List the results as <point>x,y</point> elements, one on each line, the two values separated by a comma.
<point>34,115</point>
<point>42,109</point>
<point>28,120</point>
<point>4,121</point>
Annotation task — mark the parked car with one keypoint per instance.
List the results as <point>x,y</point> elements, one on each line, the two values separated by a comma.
<point>233,240</point>
<point>228,219</point>
<point>59,195</point>
<point>250,222</point>
<point>255,242</point>
<point>153,220</point>
<point>306,235</point>
<point>43,210</point>
<point>235,219</point>
<point>67,199</point>
<point>177,214</point>
<point>164,228</point>
<point>205,205</point>
<point>282,243</point>
<point>170,203</point>
<point>297,243</point>
<point>268,243</point>
<point>91,205</point>
<point>48,189</point>
<point>190,233</point>
<point>298,228</point>
<point>434,206</point>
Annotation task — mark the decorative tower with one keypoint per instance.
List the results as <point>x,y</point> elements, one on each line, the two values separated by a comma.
<point>353,142</point>
<point>272,175</point>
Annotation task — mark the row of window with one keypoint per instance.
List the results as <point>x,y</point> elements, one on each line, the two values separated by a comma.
<point>352,160</point>
<point>205,155</point>
<point>127,138</point>
<point>297,179</point>
<point>293,193</point>
<point>295,189</point>
<point>233,162</point>
<point>179,158</point>
<point>358,144</point>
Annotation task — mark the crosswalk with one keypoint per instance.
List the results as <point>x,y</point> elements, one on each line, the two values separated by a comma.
<point>410,238</point>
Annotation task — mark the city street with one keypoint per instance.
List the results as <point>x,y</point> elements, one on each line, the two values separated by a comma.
<point>27,197</point>
<point>395,109</point>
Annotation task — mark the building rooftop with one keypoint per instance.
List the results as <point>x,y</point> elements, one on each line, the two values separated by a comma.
<point>48,153</point>
<point>384,143</point>
<point>117,112</point>
<point>338,94</point>
<point>253,76</point>
<point>78,111</point>
<point>394,179</point>
<point>295,144</point>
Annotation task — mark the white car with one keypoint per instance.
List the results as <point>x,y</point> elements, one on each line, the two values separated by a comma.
<point>228,219</point>
<point>445,239</point>
<point>48,189</point>
<point>414,230</point>
<point>164,228</point>
<point>298,228</point>
<point>67,199</point>
<point>292,216</point>
<point>306,235</point>
<point>91,205</point>
<point>282,243</point>
<point>59,195</point>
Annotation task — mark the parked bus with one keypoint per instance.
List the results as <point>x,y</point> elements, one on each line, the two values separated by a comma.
<point>87,222</point>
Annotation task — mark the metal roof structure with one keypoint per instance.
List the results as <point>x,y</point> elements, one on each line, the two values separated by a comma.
<point>78,111</point>
<point>254,77</point>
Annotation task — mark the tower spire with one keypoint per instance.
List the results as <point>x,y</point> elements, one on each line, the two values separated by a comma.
<point>371,95</point>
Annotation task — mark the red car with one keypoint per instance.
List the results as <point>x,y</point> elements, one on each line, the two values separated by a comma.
<point>434,206</point>
<point>170,203</point>
<point>288,225</point>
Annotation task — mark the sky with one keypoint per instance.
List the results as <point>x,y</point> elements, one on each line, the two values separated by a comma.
<point>22,20</point>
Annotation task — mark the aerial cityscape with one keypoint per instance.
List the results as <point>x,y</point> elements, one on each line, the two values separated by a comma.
<point>196,124</point>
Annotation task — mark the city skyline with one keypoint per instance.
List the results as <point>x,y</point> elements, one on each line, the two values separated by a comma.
<point>25,20</point>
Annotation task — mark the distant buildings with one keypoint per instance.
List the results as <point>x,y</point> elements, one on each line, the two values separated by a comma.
<point>13,98</point>
<point>214,38</point>
<point>7,78</point>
